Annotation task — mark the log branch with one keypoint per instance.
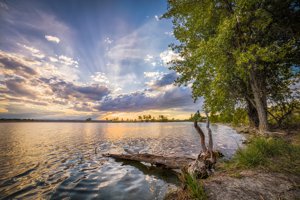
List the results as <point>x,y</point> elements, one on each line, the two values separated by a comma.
<point>202,136</point>
<point>210,140</point>
<point>159,161</point>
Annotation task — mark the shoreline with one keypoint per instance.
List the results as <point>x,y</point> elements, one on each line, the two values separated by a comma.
<point>271,180</point>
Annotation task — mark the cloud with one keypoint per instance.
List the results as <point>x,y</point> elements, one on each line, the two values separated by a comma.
<point>51,38</point>
<point>18,86</point>
<point>67,61</point>
<point>168,55</point>
<point>53,59</point>
<point>130,56</point>
<point>175,97</point>
<point>152,75</point>
<point>148,58</point>
<point>34,102</point>
<point>14,65</point>
<point>26,81</point>
<point>160,79</point>
<point>151,60</point>
<point>100,77</point>
<point>76,92</point>
<point>166,79</point>
<point>26,66</point>
<point>169,33</point>
<point>34,52</point>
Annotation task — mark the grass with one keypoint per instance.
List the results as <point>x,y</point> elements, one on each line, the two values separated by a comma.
<point>273,154</point>
<point>194,186</point>
<point>270,154</point>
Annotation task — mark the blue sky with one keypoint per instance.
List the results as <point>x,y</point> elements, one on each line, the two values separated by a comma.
<point>78,59</point>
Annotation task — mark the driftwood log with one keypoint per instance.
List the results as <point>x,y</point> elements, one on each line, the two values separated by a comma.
<point>203,165</point>
<point>159,161</point>
<point>200,167</point>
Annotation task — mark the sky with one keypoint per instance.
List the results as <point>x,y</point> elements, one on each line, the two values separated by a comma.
<point>68,59</point>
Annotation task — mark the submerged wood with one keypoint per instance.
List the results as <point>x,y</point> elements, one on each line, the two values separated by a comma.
<point>159,161</point>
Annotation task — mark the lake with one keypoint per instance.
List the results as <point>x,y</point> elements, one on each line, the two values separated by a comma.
<point>64,160</point>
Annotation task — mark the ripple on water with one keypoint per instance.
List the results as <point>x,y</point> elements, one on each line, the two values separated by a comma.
<point>50,160</point>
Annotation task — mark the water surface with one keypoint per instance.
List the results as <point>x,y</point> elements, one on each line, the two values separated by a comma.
<point>63,160</point>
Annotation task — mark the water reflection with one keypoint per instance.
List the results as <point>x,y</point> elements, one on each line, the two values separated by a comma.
<point>57,160</point>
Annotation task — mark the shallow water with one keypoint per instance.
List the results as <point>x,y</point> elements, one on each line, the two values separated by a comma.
<point>63,160</point>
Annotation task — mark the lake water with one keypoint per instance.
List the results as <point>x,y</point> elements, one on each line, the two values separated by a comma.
<point>63,160</point>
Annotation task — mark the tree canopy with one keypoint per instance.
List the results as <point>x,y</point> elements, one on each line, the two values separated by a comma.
<point>237,53</point>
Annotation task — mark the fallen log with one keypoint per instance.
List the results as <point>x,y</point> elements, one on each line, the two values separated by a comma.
<point>200,167</point>
<point>159,161</point>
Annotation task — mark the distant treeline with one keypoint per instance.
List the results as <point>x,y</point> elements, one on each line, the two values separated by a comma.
<point>144,118</point>
<point>147,118</point>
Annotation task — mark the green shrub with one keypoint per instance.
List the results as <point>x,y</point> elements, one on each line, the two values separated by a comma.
<point>272,153</point>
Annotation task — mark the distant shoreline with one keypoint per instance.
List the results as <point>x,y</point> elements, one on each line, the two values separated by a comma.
<point>83,121</point>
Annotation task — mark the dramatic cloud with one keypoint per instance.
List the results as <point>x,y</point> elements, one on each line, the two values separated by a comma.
<point>122,66</point>
<point>75,92</point>
<point>14,65</point>
<point>23,81</point>
<point>166,79</point>
<point>52,39</point>
<point>139,101</point>
<point>159,79</point>
<point>17,86</point>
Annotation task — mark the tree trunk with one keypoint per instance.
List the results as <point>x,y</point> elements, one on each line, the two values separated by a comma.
<point>252,115</point>
<point>260,101</point>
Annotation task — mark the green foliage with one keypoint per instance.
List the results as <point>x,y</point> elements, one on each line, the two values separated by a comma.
<point>194,186</point>
<point>235,117</point>
<point>285,114</point>
<point>223,44</point>
<point>240,117</point>
<point>270,153</point>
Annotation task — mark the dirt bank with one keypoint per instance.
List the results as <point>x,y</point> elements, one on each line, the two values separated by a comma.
<point>253,185</point>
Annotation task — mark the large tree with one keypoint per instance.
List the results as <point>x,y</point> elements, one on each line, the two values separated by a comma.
<point>237,52</point>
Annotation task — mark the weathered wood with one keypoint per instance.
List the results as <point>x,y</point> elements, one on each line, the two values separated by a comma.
<point>210,140</point>
<point>200,167</point>
<point>203,165</point>
<point>202,136</point>
<point>160,161</point>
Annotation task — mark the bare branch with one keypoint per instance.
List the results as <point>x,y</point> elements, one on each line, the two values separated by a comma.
<point>210,140</point>
<point>199,130</point>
